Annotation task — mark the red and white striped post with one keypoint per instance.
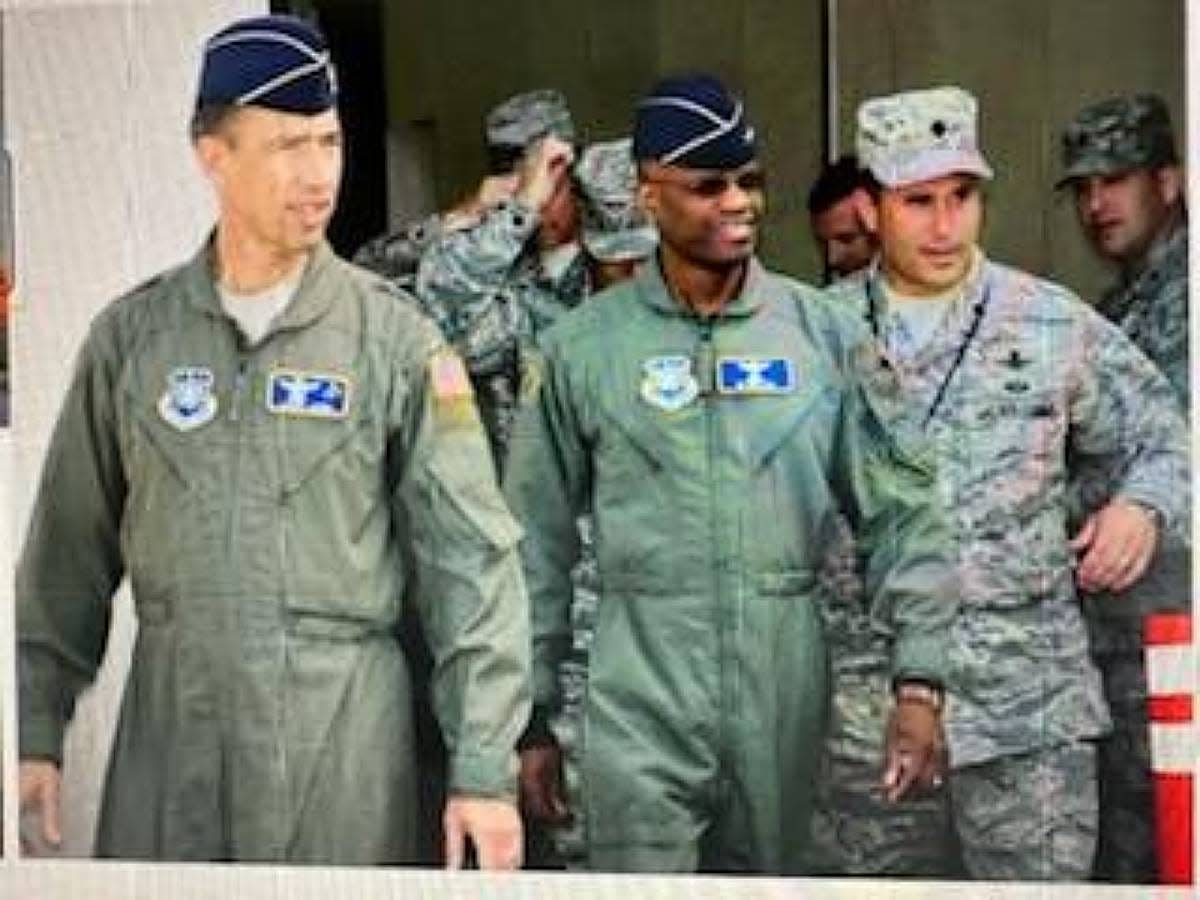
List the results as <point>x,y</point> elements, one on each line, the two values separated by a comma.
<point>1171,682</point>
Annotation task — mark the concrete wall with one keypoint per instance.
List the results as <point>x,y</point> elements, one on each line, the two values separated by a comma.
<point>1032,63</point>
<point>104,194</point>
<point>449,61</point>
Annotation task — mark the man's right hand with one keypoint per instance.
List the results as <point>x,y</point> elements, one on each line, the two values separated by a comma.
<point>41,785</point>
<point>545,164</point>
<point>542,784</point>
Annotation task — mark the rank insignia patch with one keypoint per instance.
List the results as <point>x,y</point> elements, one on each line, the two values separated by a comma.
<point>189,401</point>
<point>312,394</point>
<point>754,375</point>
<point>669,383</point>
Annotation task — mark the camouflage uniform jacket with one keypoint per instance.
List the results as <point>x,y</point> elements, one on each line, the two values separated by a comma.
<point>487,291</point>
<point>397,254</point>
<point>1031,381</point>
<point>1150,304</point>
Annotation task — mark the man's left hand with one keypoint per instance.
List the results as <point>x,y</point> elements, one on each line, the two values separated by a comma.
<point>913,753</point>
<point>493,825</point>
<point>1115,546</point>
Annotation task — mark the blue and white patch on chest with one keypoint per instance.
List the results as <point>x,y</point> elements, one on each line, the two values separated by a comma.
<point>668,382</point>
<point>318,395</point>
<point>754,375</point>
<point>189,400</point>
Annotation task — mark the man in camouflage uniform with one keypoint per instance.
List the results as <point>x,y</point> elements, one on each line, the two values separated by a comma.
<point>517,267</point>
<point>1120,161</point>
<point>1015,381</point>
<point>509,130</point>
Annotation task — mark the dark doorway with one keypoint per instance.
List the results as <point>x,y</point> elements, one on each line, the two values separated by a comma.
<point>354,29</point>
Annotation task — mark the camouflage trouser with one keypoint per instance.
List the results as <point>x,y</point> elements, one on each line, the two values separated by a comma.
<point>567,846</point>
<point>1031,817</point>
<point>854,830</point>
<point>1126,851</point>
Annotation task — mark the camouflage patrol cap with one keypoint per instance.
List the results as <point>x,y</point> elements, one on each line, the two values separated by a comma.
<point>919,135</point>
<point>614,227</point>
<point>1116,135</point>
<point>522,119</point>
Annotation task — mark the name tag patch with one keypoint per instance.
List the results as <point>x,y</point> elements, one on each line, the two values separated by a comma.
<point>189,401</point>
<point>312,394</point>
<point>755,375</point>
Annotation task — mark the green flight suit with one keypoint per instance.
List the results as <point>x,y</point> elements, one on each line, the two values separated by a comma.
<point>273,506</point>
<point>707,683</point>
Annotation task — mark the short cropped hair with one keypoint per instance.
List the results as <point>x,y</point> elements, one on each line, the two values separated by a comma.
<point>837,181</point>
<point>210,119</point>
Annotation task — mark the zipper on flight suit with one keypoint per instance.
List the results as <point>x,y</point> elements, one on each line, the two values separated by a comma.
<point>705,370</point>
<point>234,525</point>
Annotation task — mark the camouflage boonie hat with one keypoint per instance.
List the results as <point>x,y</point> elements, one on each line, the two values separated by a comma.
<point>523,118</point>
<point>919,135</point>
<point>614,228</point>
<point>1116,135</point>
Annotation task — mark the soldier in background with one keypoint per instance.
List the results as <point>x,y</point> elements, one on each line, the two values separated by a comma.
<point>1015,381</point>
<point>846,244</point>
<point>1121,165</point>
<point>1120,162</point>
<point>510,128</point>
<point>516,268</point>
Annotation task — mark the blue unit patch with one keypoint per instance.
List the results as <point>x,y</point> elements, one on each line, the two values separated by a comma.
<point>189,400</point>
<point>668,382</point>
<point>754,375</point>
<point>314,394</point>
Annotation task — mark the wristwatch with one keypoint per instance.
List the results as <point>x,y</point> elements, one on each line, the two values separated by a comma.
<point>1153,512</point>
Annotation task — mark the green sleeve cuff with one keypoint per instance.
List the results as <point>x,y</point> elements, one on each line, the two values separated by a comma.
<point>40,736</point>
<point>920,657</point>
<point>484,773</point>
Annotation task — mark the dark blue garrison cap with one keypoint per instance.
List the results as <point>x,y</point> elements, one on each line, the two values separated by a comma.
<point>277,62</point>
<point>694,122</point>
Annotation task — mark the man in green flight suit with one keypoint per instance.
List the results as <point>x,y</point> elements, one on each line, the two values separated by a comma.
<point>711,415</point>
<point>280,454</point>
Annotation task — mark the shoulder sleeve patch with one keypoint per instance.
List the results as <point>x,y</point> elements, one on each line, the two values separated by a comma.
<point>448,376</point>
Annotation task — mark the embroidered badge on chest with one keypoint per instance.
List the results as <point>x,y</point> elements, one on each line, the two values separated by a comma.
<point>668,382</point>
<point>189,401</point>
<point>311,394</point>
<point>755,375</point>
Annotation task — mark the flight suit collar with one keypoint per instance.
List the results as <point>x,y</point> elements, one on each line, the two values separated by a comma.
<point>309,303</point>
<point>653,289</point>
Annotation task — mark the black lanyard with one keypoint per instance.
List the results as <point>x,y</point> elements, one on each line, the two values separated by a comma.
<point>968,337</point>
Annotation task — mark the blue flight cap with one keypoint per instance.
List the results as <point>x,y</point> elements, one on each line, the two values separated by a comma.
<point>694,122</point>
<point>277,62</point>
